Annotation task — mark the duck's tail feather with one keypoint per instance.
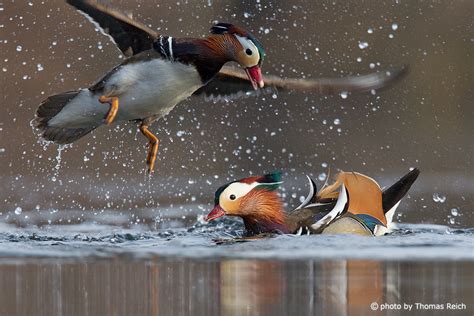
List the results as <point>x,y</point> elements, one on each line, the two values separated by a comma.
<point>48,109</point>
<point>392,195</point>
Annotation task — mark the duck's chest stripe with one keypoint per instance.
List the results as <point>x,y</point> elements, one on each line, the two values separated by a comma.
<point>164,46</point>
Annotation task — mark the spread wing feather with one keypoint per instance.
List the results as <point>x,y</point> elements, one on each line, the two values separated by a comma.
<point>231,83</point>
<point>130,36</point>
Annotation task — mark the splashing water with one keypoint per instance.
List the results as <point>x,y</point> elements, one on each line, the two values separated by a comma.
<point>18,210</point>
<point>454,216</point>
<point>439,198</point>
<point>454,211</point>
<point>58,162</point>
<point>363,45</point>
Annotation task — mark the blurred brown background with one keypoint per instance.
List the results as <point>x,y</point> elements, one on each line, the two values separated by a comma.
<point>425,121</point>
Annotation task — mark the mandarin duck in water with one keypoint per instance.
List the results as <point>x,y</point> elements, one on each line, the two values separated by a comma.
<point>353,204</point>
<point>161,71</point>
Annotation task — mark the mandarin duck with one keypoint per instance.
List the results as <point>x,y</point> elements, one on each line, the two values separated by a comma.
<point>353,204</point>
<point>161,71</point>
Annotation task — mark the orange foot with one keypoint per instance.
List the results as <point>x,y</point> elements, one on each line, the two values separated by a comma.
<point>152,147</point>
<point>114,103</point>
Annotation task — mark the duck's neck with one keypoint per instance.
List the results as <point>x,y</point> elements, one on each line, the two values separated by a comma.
<point>208,55</point>
<point>264,213</point>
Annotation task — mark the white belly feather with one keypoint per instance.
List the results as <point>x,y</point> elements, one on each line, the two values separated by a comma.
<point>144,89</point>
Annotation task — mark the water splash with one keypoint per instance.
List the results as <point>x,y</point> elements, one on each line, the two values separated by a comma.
<point>18,210</point>
<point>455,214</point>
<point>363,45</point>
<point>439,198</point>
<point>454,211</point>
<point>58,161</point>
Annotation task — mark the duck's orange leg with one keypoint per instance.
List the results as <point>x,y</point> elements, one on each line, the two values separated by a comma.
<point>152,147</point>
<point>114,103</point>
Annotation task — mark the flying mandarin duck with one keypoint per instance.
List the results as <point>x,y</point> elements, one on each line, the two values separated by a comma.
<point>353,204</point>
<point>161,71</point>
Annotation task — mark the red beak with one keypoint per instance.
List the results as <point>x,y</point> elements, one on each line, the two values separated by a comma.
<point>255,76</point>
<point>216,212</point>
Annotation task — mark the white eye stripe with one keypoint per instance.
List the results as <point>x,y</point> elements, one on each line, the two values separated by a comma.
<point>248,44</point>
<point>239,189</point>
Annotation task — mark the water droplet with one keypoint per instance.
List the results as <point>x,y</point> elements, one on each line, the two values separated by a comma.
<point>454,211</point>
<point>344,94</point>
<point>363,45</point>
<point>337,121</point>
<point>371,65</point>
<point>19,48</point>
<point>452,220</point>
<point>439,198</point>
<point>39,67</point>
<point>394,26</point>
<point>370,31</point>
<point>18,210</point>
<point>359,59</point>
<point>324,165</point>
<point>322,176</point>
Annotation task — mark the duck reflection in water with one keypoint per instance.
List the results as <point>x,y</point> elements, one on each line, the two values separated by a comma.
<point>160,286</point>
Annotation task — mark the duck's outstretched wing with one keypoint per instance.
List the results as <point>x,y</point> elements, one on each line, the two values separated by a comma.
<point>231,83</point>
<point>130,36</point>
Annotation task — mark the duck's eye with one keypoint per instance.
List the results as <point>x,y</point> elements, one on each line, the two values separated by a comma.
<point>232,197</point>
<point>248,51</point>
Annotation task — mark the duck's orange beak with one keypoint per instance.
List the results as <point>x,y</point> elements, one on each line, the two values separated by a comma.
<point>255,76</point>
<point>216,212</point>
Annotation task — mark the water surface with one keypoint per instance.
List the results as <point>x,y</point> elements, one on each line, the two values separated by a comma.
<point>99,269</point>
